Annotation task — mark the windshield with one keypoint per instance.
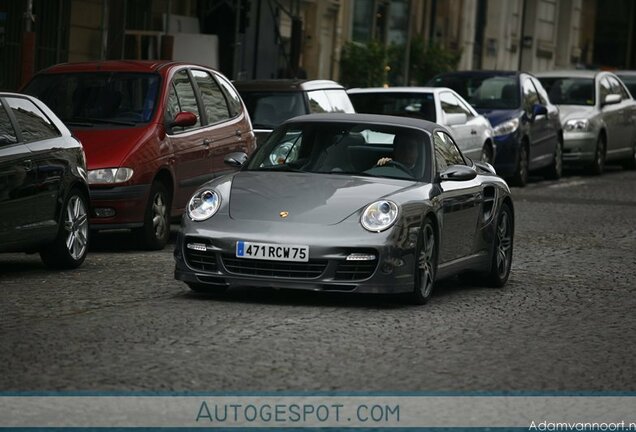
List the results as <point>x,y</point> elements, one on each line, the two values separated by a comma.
<point>569,91</point>
<point>482,91</point>
<point>269,109</point>
<point>88,98</point>
<point>418,105</point>
<point>373,150</point>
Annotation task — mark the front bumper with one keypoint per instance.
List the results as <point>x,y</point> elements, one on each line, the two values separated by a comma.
<point>579,147</point>
<point>128,203</point>
<point>507,153</point>
<point>328,270</point>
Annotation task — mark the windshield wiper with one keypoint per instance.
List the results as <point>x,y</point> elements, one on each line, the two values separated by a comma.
<point>281,168</point>
<point>89,120</point>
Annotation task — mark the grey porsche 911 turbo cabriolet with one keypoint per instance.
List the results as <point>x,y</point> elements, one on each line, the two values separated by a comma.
<point>350,203</point>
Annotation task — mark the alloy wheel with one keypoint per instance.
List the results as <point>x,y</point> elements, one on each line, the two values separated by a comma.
<point>159,211</point>
<point>76,227</point>
<point>425,262</point>
<point>504,244</point>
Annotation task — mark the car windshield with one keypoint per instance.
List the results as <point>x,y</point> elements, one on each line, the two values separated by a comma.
<point>373,150</point>
<point>269,109</point>
<point>484,92</point>
<point>418,105</point>
<point>89,98</point>
<point>569,91</point>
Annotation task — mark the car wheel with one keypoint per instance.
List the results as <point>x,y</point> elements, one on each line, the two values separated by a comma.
<point>598,166</point>
<point>425,264</point>
<point>555,170</point>
<point>486,154</point>
<point>521,175</point>
<point>501,259</point>
<point>155,232</point>
<point>630,163</point>
<point>207,289</point>
<point>70,247</point>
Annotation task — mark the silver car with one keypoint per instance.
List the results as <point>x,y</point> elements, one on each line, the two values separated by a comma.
<point>472,131</point>
<point>598,116</point>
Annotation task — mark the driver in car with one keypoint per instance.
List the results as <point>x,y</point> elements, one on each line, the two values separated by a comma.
<point>405,152</point>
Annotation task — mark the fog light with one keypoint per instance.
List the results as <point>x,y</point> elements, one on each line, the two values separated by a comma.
<point>104,212</point>
<point>387,268</point>
<point>201,247</point>
<point>360,257</point>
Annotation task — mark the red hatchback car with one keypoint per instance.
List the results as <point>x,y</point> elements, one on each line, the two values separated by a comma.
<point>152,132</point>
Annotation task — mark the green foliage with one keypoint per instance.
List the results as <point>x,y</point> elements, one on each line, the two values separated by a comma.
<point>373,65</point>
<point>363,65</point>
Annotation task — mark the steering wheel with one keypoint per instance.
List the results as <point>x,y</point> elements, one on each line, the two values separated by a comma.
<point>398,165</point>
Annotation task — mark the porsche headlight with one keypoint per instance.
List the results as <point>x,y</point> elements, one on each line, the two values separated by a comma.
<point>576,125</point>
<point>203,205</point>
<point>506,127</point>
<point>379,216</point>
<point>110,175</point>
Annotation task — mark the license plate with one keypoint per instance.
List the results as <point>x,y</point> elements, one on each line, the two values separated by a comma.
<point>270,251</point>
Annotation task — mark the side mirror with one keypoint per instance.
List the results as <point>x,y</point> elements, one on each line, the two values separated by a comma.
<point>538,109</point>
<point>456,119</point>
<point>183,119</point>
<point>458,173</point>
<point>236,159</point>
<point>612,99</point>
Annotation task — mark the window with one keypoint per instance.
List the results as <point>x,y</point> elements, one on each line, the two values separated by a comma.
<point>186,98</point>
<point>452,105</point>
<point>7,133</point>
<point>617,88</point>
<point>418,105</point>
<point>318,102</point>
<point>446,152</point>
<point>530,95</point>
<point>339,101</point>
<point>605,90</point>
<point>213,100</point>
<point>233,99</point>
<point>543,95</point>
<point>33,124</point>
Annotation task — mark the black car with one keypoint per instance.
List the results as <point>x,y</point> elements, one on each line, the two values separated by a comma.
<point>271,102</point>
<point>43,188</point>
<point>349,202</point>
<point>526,125</point>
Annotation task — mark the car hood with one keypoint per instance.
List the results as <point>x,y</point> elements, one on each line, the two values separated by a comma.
<point>497,117</point>
<point>108,148</point>
<point>323,199</point>
<point>567,112</point>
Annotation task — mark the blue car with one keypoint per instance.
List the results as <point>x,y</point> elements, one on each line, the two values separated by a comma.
<point>526,125</point>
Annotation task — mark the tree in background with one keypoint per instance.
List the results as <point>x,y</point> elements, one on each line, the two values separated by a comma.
<point>374,65</point>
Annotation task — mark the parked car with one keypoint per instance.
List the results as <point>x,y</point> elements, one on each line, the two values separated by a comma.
<point>527,130</point>
<point>153,131</point>
<point>598,116</point>
<point>271,102</point>
<point>327,205</point>
<point>472,131</point>
<point>629,79</point>
<point>43,189</point>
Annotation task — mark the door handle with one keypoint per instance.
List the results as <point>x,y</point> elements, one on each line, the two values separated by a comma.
<point>238,132</point>
<point>206,142</point>
<point>473,132</point>
<point>27,164</point>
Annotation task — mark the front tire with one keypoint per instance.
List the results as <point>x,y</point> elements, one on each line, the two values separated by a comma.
<point>155,233</point>
<point>70,247</point>
<point>425,265</point>
<point>598,166</point>
<point>521,175</point>
<point>501,260</point>
<point>487,154</point>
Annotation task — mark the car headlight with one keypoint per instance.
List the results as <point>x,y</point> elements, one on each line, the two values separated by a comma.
<point>203,205</point>
<point>577,125</point>
<point>506,127</point>
<point>379,216</point>
<point>109,175</point>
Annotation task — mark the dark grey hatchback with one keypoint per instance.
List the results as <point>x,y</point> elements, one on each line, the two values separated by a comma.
<point>43,188</point>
